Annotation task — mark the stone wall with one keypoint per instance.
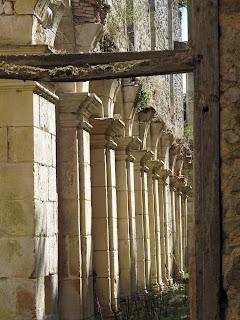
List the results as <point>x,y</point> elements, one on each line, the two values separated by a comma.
<point>28,202</point>
<point>230,156</point>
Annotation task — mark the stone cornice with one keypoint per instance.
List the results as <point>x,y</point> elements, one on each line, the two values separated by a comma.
<point>44,90</point>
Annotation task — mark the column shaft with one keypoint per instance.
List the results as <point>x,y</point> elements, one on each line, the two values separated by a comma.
<point>124,242</point>
<point>147,244</point>
<point>163,234</point>
<point>157,206</point>
<point>86,220</point>
<point>152,230</point>
<point>101,250</point>
<point>112,225</point>
<point>141,275</point>
<point>70,281</point>
<point>132,224</point>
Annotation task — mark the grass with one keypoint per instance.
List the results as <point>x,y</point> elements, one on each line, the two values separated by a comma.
<point>171,304</point>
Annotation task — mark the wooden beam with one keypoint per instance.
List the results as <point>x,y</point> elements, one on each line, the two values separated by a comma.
<point>50,61</point>
<point>205,42</point>
<point>158,63</point>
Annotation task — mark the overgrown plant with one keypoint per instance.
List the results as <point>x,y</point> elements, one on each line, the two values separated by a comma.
<point>183,3</point>
<point>143,99</point>
<point>188,132</point>
<point>171,304</point>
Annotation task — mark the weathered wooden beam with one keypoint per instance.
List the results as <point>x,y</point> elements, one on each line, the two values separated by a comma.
<point>50,61</point>
<point>27,67</point>
<point>205,43</point>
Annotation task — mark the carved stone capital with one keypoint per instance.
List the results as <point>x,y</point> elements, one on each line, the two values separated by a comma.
<point>105,131</point>
<point>75,109</point>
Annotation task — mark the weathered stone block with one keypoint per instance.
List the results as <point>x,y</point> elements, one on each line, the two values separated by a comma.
<point>17,218</point>
<point>51,296</point>
<point>47,116</point>
<point>69,174</point>
<point>102,263</point>
<point>24,7</point>
<point>40,218</point>
<point>74,253</point>
<point>72,301</point>
<point>20,142</point>
<point>3,145</point>
<point>69,216</point>
<point>13,178</point>
<point>16,106</point>
<point>36,111</point>
<point>16,30</point>
<point>52,191</point>
<point>43,147</point>
<point>41,257</point>
<point>40,182</point>
<point>18,257</point>
<point>53,254</point>
<point>100,234</point>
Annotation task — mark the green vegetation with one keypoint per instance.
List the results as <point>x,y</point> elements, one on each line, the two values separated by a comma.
<point>171,304</point>
<point>143,99</point>
<point>188,132</point>
<point>182,3</point>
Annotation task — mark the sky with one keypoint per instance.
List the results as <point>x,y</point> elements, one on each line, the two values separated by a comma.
<point>184,37</point>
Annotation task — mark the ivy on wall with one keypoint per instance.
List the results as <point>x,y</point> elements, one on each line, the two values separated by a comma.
<point>143,99</point>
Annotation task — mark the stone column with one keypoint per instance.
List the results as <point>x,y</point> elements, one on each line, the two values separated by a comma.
<point>133,145</point>
<point>28,201</point>
<point>76,276</point>
<point>124,244</point>
<point>104,201</point>
<point>177,184</point>
<point>185,191</point>
<point>146,222</point>
<point>178,221</point>
<point>126,216</point>
<point>153,227</point>
<point>156,232</point>
<point>165,226</point>
<point>138,183</point>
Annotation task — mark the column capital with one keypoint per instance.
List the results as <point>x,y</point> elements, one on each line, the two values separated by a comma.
<point>187,191</point>
<point>142,157</point>
<point>106,131</point>
<point>178,183</point>
<point>125,145</point>
<point>75,109</point>
<point>157,165</point>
